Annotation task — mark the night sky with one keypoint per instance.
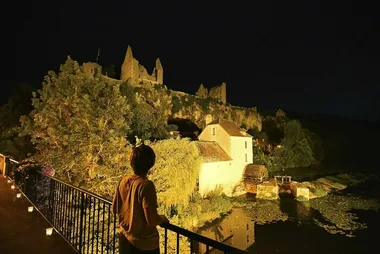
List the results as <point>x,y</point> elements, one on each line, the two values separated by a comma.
<point>303,56</point>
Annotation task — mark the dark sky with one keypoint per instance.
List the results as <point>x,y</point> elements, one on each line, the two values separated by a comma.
<point>305,56</point>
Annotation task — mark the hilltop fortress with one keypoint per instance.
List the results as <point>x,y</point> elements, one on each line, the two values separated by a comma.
<point>184,106</point>
<point>136,74</point>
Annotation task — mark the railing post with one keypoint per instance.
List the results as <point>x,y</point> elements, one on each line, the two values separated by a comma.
<point>81,222</point>
<point>51,200</point>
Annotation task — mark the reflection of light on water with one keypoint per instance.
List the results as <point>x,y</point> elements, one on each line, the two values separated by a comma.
<point>303,210</point>
<point>236,229</point>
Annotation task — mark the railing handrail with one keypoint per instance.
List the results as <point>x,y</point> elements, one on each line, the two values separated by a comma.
<point>80,189</point>
<point>181,231</point>
<point>172,227</point>
<point>202,239</point>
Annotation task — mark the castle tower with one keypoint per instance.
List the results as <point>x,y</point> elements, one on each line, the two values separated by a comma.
<point>202,92</point>
<point>159,72</point>
<point>127,66</point>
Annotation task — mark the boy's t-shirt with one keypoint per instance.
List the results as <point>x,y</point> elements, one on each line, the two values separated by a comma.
<point>133,194</point>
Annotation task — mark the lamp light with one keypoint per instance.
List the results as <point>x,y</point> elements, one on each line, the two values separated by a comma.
<point>18,195</point>
<point>30,209</point>
<point>49,231</point>
<point>5,176</point>
<point>9,181</point>
<point>13,186</point>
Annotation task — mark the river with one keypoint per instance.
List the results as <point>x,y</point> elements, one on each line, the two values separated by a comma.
<point>343,222</point>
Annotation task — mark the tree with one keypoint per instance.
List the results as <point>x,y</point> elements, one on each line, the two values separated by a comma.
<point>315,144</point>
<point>150,110</point>
<point>296,152</point>
<point>19,104</point>
<point>273,129</point>
<point>78,125</point>
<point>176,170</point>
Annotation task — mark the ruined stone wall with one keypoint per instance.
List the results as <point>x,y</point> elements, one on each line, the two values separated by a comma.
<point>92,68</point>
<point>194,108</point>
<point>137,73</point>
<point>202,92</point>
<point>218,92</point>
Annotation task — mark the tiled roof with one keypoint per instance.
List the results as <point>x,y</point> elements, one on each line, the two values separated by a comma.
<point>230,127</point>
<point>212,152</point>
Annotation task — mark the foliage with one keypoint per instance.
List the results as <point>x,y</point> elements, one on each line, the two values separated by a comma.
<point>175,172</point>
<point>78,125</point>
<point>265,211</point>
<point>255,133</point>
<point>19,104</point>
<point>187,100</point>
<point>149,109</point>
<point>297,152</point>
<point>273,130</point>
<point>315,144</point>
<point>342,219</point>
<point>204,104</point>
<point>201,211</point>
<point>294,150</point>
<point>176,104</point>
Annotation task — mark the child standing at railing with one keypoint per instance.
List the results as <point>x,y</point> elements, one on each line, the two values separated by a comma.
<point>135,203</point>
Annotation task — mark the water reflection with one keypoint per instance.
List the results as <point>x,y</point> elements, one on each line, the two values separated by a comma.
<point>236,229</point>
<point>296,211</point>
<point>288,226</point>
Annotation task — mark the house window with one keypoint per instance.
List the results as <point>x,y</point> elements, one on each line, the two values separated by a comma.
<point>246,157</point>
<point>246,144</point>
<point>213,131</point>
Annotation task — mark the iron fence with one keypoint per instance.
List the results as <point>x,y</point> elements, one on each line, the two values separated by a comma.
<point>85,220</point>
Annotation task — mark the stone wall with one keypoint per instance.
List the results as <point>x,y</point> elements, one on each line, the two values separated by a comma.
<point>92,68</point>
<point>267,190</point>
<point>300,191</point>
<point>218,92</point>
<point>136,73</point>
<point>187,106</point>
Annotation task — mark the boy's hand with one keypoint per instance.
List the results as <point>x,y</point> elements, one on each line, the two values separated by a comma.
<point>164,219</point>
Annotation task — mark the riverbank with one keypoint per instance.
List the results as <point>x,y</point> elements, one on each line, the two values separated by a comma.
<point>339,222</point>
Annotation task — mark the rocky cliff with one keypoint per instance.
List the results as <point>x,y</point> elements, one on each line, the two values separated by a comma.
<point>195,109</point>
<point>187,106</point>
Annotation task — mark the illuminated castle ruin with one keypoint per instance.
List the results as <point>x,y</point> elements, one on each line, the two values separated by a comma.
<point>136,73</point>
<point>218,92</point>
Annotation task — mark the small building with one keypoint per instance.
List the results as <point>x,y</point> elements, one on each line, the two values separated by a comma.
<point>253,175</point>
<point>226,150</point>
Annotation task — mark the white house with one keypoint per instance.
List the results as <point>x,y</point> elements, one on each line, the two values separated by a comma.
<point>226,150</point>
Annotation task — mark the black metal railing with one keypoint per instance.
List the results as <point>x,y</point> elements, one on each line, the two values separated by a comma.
<point>86,222</point>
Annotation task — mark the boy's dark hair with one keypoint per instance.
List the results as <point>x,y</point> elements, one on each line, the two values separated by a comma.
<point>142,159</point>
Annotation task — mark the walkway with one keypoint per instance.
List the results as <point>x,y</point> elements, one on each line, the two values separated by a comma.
<point>24,232</point>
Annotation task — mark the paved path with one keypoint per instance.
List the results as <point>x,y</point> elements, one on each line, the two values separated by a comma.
<point>24,232</point>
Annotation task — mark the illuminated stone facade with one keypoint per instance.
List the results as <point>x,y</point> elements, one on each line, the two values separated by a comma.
<point>218,92</point>
<point>136,73</point>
